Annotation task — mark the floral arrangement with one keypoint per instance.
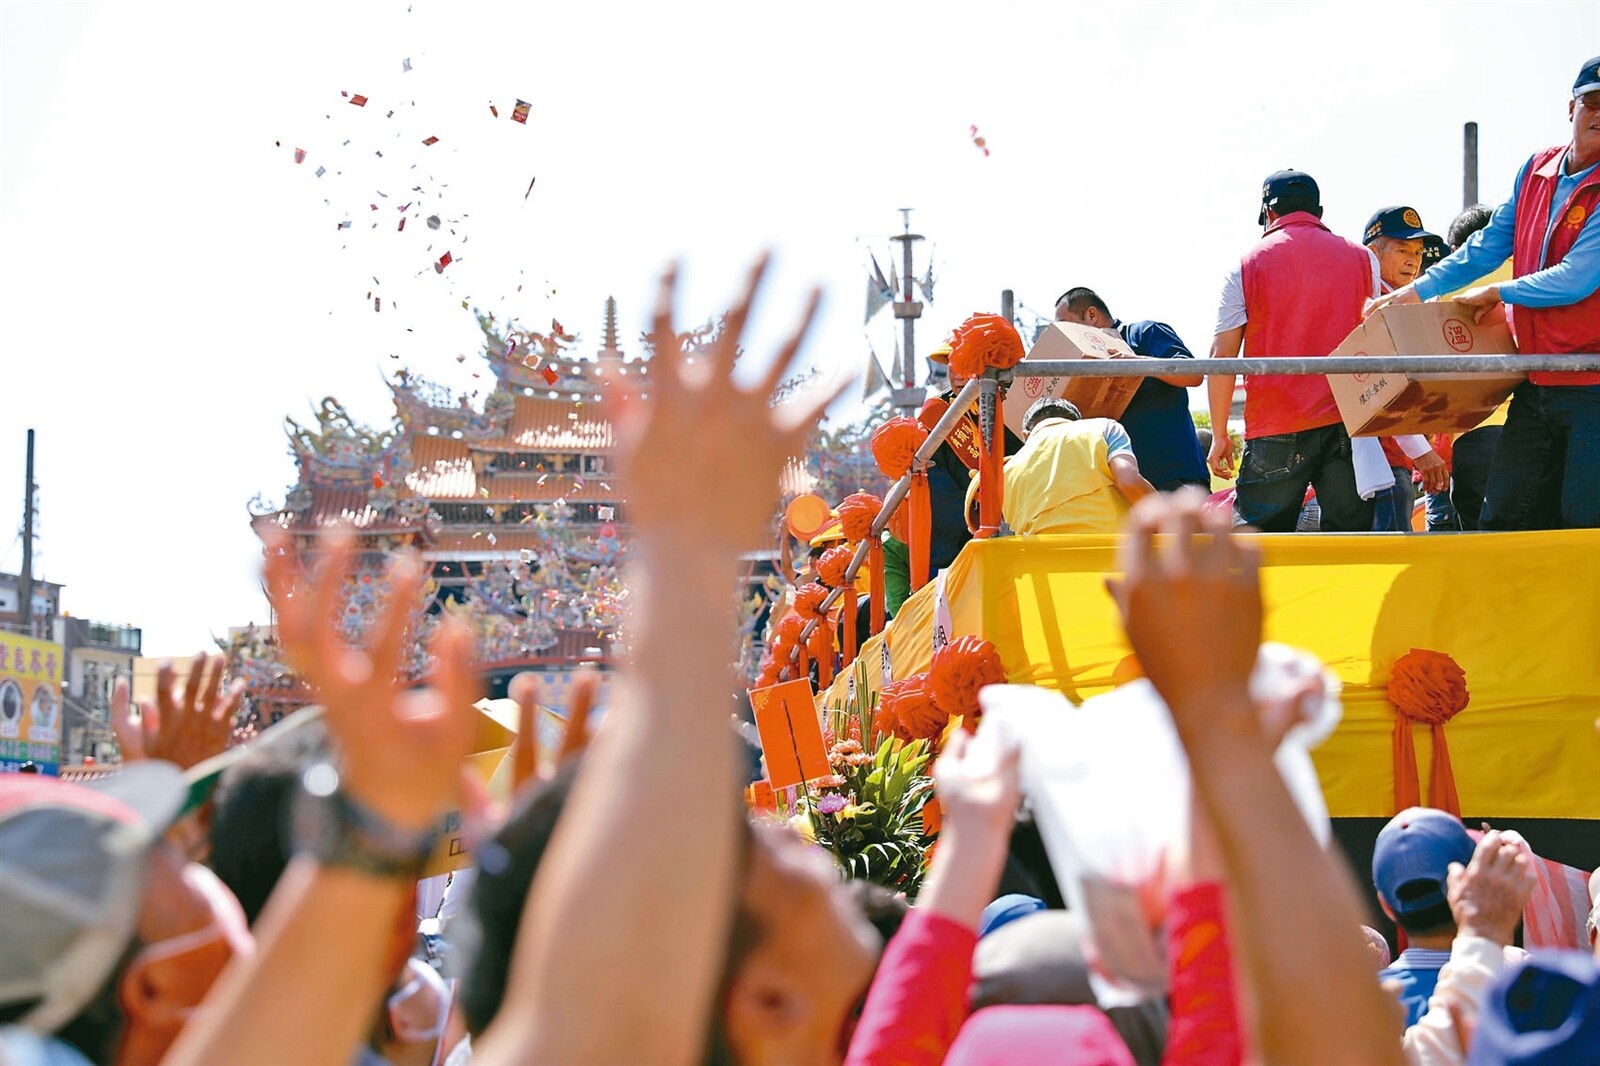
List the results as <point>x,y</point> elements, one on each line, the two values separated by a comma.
<point>869,811</point>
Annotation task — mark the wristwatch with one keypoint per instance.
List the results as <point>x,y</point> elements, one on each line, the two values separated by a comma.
<point>339,831</point>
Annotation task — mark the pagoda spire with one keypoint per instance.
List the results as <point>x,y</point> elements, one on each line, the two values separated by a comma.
<point>610,356</point>
<point>611,324</point>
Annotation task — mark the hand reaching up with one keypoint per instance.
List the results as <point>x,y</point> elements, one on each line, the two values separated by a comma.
<point>1487,895</point>
<point>1191,604</point>
<point>702,455</point>
<point>402,748</point>
<point>181,728</point>
<point>527,766</point>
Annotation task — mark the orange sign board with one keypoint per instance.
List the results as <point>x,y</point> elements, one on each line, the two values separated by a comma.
<point>791,733</point>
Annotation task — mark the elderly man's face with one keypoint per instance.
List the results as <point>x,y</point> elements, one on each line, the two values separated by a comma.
<point>1399,261</point>
<point>1585,114</point>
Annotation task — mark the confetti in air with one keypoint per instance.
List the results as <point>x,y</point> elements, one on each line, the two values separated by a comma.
<point>980,142</point>
<point>521,112</point>
<point>359,100</point>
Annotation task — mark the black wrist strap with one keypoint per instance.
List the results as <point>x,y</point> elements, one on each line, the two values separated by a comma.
<point>338,831</point>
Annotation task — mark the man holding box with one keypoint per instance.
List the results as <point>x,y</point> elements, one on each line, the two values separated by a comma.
<point>1296,293</point>
<point>1546,471</point>
<point>1397,241</point>
<point>1157,418</point>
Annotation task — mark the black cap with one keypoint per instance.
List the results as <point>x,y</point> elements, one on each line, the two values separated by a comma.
<point>1588,77</point>
<point>1294,185</point>
<point>1401,222</point>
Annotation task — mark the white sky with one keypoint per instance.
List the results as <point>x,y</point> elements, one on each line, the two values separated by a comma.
<point>172,285</point>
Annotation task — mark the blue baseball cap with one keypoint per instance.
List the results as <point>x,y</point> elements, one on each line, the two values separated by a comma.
<point>1006,910</point>
<point>1588,77</point>
<point>1401,222</point>
<point>1414,852</point>
<point>1294,185</point>
<point>1545,1010</point>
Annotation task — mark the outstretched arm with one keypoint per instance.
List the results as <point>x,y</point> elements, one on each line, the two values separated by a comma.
<point>1311,975</point>
<point>601,973</point>
<point>401,767</point>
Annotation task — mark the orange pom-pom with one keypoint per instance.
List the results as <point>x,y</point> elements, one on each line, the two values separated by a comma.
<point>959,670</point>
<point>1428,686</point>
<point>895,444</point>
<point>832,564</point>
<point>911,706</point>
<point>982,342</point>
<point>808,600</point>
<point>788,629</point>
<point>856,513</point>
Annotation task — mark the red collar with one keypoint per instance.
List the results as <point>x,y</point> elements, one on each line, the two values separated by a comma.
<point>1295,218</point>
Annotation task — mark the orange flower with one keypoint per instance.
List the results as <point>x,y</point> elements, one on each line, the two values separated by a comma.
<point>1428,686</point>
<point>984,341</point>
<point>895,444</point>
<point>832,564</point>
<point>788,630</point>
<point>831,781</point>
<point>808,600</point>
<point>910,703</point>
<point>856,512</point>
<point>959,670</point>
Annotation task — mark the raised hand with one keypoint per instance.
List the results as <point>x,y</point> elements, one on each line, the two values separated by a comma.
<point>402,749</point>
<point>527,767</point>
<point>703,455</point>
<point>1191,605</point>
<point>181,728</point>
<point>1487,895</point>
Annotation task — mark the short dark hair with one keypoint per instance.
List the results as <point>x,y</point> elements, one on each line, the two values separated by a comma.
<point>1466,224</point>
<point>1288,205</point>
<point>484,935</point>
<point>1435,920</point>
<point>1080,299</point>
<point>251,839</point>
<point>1049,407</point>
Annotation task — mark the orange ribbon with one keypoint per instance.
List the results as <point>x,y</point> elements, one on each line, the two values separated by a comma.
<point>1426,687</point>
<point>875,572</point>
<point>920,545</point>
<point>847,603</point>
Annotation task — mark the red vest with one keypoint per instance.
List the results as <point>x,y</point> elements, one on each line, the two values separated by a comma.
<point>1553,330</point>
<point>1303,292</point>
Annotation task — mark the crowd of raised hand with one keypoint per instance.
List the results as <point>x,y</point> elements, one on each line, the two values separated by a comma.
<point>625,909</point>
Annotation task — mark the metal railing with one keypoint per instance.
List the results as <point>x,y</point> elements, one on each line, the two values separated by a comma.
<point>987,390</point>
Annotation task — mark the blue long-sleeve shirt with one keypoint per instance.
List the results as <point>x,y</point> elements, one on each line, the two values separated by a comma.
<point>1566,282</point>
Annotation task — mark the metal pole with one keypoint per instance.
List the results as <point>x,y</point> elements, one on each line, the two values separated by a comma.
<point>25,585</point>
<point>1008,306</point>
<point>907,396</point>
<point>1469,165</point>
<point>1442,366</point>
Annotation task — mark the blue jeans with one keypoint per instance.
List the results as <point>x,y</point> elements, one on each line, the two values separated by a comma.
<point>1441,514</point>
<point>1275,472</point>
<point>1546,469</point>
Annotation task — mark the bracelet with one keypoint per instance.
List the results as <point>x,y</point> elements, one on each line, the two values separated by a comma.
<point>336,830</point>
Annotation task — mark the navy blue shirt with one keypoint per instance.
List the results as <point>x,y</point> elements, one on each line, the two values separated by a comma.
<point>1157,418</point>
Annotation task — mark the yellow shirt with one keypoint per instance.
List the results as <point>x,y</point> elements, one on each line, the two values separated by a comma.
<point>1060,481</point>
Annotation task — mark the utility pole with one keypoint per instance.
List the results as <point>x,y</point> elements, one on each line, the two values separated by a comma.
<point>907,396</point>
<point>1469,165</point>
<point>1008,306</point>
<point>25,585</point>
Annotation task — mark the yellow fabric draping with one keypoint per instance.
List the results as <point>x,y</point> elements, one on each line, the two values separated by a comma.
<point>1519,611</point>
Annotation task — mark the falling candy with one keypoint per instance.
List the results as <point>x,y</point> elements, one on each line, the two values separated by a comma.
<point>521,112</point>
<point>377,481</point>
<point>405,64</point>
<point>550,375</point>
<point>321,171</point>
<point>299,155</point>
<point>980,142</point>
<point>431,140</point>
<point>495,111</point>
<point>530,186</point>
<point>359,100</point>
<point>433,221</point>
<point>444,261</point>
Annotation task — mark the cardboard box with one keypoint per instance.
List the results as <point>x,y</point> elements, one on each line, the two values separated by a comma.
<point>1095,397</point>
<point>1385,404</point>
